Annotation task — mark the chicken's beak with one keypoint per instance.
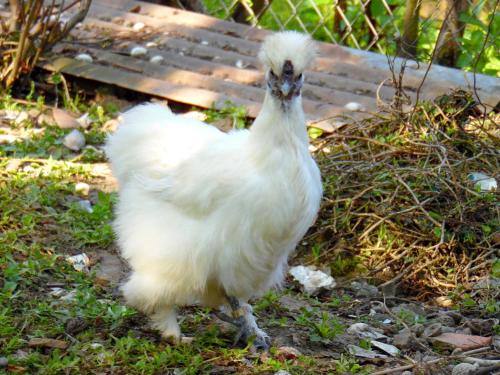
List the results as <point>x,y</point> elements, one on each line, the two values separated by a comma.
<point>285,88</point>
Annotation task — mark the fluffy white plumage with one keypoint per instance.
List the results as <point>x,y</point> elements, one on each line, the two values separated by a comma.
<point>204,215</point>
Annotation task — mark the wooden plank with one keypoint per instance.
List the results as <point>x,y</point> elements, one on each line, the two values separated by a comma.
<point>147,85</point>
<point>213,58</point>
<point>211,44</point>
<point>194,96</point>
<point>188,78</point>
<point>359,65</point>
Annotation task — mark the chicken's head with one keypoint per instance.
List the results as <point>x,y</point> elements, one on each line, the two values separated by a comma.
<point>285,56</point>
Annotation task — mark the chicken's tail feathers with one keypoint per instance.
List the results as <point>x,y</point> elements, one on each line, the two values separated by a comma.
<point>136,146</point>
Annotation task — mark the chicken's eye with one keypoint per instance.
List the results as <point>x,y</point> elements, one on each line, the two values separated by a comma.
<point>299,76</point>
<point>272,74</point>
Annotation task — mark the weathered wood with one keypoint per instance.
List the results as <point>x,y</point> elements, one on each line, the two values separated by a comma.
<point>341,61</point>
<point>147,85</point>
<point>205,57</point>
<point>188,78</point>
<point>180,93</point>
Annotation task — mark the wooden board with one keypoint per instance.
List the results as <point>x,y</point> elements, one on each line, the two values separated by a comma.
<point>210,61</point>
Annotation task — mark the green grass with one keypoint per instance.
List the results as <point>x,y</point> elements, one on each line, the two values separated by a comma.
<point>41,224</point>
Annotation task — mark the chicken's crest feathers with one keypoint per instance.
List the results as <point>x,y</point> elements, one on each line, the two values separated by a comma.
<point>296,47</point>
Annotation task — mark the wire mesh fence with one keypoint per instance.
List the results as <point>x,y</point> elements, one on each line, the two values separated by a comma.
<point>406,27</point>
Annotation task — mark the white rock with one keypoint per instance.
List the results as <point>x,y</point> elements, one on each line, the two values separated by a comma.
<point>204,42</point>
<point>21,118</point>
<point>364,331</point>
<point>444,301</point>
<point>84,120</point>
<point>464,369</point>
<point>200,116</point>
<point>84,57</point>
<point>96,345</point>
<point>354,106</point>
<point>282,372</point>
<point>7,138</point>
<point>57,292</point>
<point>138,26</point>
<point>85,205</point>
<point>151,44</point>
<point>363,353</point>
<point>70,296</point>
<point>63,119</point>
<point>389,349</point>
<point>311,279</point>
<point>10,114</point>
<point>80,262</point>
<point>363,289</point>
<point>485,182</point>
<point>157,59</point>
<point>74,140</point>
<point>138,51</point>
<point>239,64</point>
<point>82,188</point>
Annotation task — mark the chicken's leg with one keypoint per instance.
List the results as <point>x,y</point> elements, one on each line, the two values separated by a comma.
<point>244,319</point>
<point>165,320</point>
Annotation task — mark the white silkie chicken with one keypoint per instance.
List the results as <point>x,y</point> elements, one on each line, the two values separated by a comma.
<point>208,217</point>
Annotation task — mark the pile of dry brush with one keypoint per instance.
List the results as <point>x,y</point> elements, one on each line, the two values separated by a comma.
<point>399,197</point>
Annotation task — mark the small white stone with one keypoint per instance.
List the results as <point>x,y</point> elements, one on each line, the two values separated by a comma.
<point>365,331</point>
<point>85,205</point>
<point>151,44</point>
<point>80,262</point>
<point>57,292</point>
<point>464,369</point>
<point>138,26</point>
<point>200,116</point>
<point>239,64</point>
<point>10,114</point>
<point>387,348</point>
<point>156,59</point>
<point>7,138</point>
<point>21,118</point>
<point>363,353</point>
<point>95,345</point>
<point>483,181</point>
<point>138,51</point>
<point>204,42</point>
<point>74,140</point>
<point>354,106</point>
<point>444,301</point>
<point>84,120</point>
<point>82,188</point>
<point>84,57</point>
<point>71,296</point>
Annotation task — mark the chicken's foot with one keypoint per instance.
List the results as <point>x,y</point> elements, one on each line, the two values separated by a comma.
<point>243,318</point>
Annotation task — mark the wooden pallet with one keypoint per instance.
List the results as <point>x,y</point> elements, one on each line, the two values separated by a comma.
<point>208,62</point>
